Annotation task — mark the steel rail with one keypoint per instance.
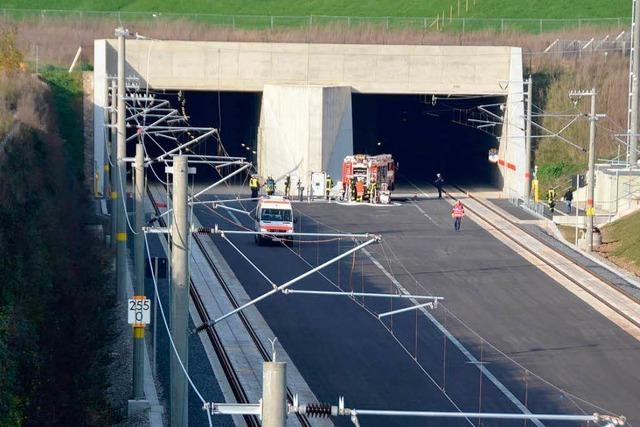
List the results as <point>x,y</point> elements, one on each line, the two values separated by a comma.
<point>225,362</point>
<point>228,369</point>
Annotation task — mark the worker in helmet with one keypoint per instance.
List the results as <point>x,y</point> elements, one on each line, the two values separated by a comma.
<point>352,189</point>
<point>373,192</point>
<point>254,185</point>
<point>457,213</point>
<point>551,196</point>
<point>328,186</point>
<point>300,189</point>
<point>439,183</point>
<point>287,186</point>
<point>359,190</point>
<point>270,186</point>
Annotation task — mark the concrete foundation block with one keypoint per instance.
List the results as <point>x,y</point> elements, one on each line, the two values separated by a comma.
<point>135,407</point>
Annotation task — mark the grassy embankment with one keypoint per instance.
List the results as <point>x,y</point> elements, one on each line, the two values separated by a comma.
<point>531,9</point>
<point>557,160</point>
<point>54,299</point>
<point>621,242</point>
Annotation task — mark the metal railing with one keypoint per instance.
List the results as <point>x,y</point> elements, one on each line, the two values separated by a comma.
<point>576,48</point>
<point>385,23</point>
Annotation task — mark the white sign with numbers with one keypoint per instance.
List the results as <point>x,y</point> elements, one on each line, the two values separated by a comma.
<point>139,311</point>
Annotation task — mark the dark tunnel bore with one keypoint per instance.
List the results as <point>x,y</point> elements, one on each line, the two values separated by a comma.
<point>420,134</point>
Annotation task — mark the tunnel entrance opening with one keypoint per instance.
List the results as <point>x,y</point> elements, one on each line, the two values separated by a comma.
<point>427,135</point>
<point>236,116</point>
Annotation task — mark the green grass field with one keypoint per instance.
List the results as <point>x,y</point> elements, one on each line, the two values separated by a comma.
<point>534,9</point>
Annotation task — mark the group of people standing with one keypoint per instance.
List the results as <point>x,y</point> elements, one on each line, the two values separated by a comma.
<point>270,186</point>
<point>358,191</point>
<point>551,199</point>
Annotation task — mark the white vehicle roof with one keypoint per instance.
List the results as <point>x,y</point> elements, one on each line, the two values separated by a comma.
<point>274,202</point>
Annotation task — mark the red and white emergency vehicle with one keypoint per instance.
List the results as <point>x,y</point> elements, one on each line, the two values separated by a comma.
<point>273,215</point>
<point>379,170</point>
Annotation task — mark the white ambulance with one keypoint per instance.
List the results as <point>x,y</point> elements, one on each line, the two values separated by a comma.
<point>273,214</point>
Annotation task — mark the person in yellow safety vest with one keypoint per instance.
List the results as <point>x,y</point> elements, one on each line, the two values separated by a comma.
<point>359,190</point>
<point>328,185</point>
<point>254,185</point>
<point>457,213</point>
<point>372,193</point>
<point>287,186</point>
<point>551,195</point>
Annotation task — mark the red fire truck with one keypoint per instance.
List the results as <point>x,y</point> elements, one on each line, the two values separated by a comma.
<point>367,177</point>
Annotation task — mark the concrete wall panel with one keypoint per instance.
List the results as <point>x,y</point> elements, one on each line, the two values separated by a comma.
<point>367,68</point>
<point>99,115</point>
<point>304,129</point>
<point>326,67</point>
<point>254,66</point>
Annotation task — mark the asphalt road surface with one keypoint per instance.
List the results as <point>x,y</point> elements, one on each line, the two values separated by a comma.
<point>506,337</point>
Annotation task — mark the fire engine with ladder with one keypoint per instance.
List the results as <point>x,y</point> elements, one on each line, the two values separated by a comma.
<point>368,178</point>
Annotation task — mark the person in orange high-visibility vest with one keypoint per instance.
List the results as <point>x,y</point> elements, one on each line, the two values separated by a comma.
<point>359,190</point>
<point>457,213</point>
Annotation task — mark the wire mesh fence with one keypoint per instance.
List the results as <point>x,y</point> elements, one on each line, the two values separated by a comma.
<point>383,23</point>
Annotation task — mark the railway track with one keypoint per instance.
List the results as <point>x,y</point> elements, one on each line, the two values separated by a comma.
<point>600,277</point>
<point>229,371</point>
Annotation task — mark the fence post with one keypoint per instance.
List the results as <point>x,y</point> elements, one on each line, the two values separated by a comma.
<point>424,23</point>
<point>348,22</point>
<point>464,20</point>
<point>272,22</point>
<point>387,23</point>
<point>502,26</point>
<point>233,22</point>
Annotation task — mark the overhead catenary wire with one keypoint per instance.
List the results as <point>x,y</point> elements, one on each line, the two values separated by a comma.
<point>451,314</point>
<point>385,326</point>
<point>454,316</point>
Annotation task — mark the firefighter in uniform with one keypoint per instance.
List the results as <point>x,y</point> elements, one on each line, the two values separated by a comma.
<point>254,185</point>
<point>359,190</point>
<point>328,186</point>
<point>352,189</point>
<point>271,186</point>
<point>372,192</point>
<point>551,195</point>
<point>287,186</point>
<point>457,213</point>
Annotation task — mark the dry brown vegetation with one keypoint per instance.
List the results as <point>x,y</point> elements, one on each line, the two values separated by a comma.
<point>58,39</point>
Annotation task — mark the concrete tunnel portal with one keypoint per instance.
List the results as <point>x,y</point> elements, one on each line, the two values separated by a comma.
<point>425,134</point>
<point>295,108</point>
